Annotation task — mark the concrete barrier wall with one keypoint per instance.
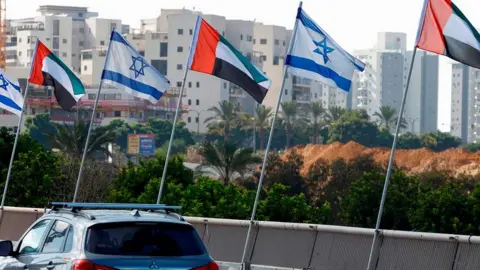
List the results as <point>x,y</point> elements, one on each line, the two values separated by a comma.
<point>301,246</point>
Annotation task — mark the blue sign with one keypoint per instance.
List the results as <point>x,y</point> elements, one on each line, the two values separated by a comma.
<point>147,144</point>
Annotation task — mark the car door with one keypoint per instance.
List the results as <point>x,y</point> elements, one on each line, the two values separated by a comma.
<point>31,243</point>
<point>56,246</point>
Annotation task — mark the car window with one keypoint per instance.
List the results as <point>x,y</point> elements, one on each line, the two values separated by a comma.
<point>144,239</point>
<point>56,237</point>
<point>32,239</point>
<point>69,242</point>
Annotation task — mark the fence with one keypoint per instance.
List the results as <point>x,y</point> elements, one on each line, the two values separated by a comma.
<point>308,246</point>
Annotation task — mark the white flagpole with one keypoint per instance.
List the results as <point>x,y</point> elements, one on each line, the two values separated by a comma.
<point>17,135</point>
<point>390,162</point>
<point>85,150</point>
<point>177,112</point>
<point>265,158</point>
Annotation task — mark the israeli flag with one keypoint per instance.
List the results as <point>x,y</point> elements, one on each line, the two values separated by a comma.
<point>11,98</point>
<point>314,55</point>
<point>126,69</point>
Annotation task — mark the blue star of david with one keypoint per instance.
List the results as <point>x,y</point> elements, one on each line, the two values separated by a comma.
<point>138,68</point>
<point>323,49</point>
<point>4,82</point>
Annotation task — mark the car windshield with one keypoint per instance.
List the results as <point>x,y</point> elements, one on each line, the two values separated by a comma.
<point>144,239</point>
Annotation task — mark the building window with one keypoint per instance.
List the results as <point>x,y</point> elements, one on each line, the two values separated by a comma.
<point>198,102</point>
<point>196,119</point>
<point>277,42</point>
<point>254,41</point>
<point>56,27</point>
<point>19,40</point>
<point>180,31</point>
<point>84,68</point>
<point>190,32</point>
<point>82,30</point>
<point>64,41</point>
<point>263,41</point>
<point>30,53</point>
<point>179,67</point>
<point>275,60</point>
<point>189,84</point>
<point>64,54</point>
<point>163,49</point>
<point>241,37</point>
<point>117,113</point>
<point>223,33</point>
<point>264,58</point>
<point>19,53</point>
<point>249,38</point>
<point>198,84</point>
<point>113,26</point>
<point>102,43</point>
<point>179,84</point>
<point>225,85</point>
<point>56,43</point>
<point>286,92</point>
<point>283,43</point>
<point>80,43</point>
<point>189,119</point>
<point>189,102</point>
<point>179,49</point>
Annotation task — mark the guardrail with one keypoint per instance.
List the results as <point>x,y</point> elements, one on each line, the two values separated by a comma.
<point>302,246</point>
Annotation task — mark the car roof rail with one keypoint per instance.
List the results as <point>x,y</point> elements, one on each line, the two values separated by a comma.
<point>71,211</point>
<point>137,206</point>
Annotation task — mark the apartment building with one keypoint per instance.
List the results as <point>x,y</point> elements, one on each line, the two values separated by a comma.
<point>421,107</point>
<point>465,110</point>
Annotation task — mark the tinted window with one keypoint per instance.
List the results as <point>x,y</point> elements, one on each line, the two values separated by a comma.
<point>144,239</point>
<point>32,239</point>
<point>56,238</point>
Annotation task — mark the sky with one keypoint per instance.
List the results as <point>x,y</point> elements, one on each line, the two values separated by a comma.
<point>353,24</point>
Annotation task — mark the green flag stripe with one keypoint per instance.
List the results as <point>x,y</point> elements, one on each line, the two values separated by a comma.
<point>256,75</point>
<point>77,85</point>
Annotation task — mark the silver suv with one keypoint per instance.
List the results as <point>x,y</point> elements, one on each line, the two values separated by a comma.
<point>107,237</point>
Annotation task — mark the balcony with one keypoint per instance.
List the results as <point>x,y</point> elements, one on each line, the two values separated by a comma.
<point>301,81</point>
<point>30,27</point>
<point>301,98</point>
<point>237,92</point>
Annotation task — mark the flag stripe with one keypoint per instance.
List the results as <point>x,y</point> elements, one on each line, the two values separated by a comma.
<point>76,85</point>
<point>462,52</point>
<point>326,73</point>
<point>436,16</point>
<point>64,97</point>
<point>224,53</point>
<point>472,29</point>
<point>229,72</point>
<point>133,84</point>
<point>10,104</point>
<point>206,48</point>
<point>251,70</point>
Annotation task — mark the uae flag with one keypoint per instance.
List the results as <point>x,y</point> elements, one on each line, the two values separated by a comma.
<point>49,70</point>
<point>446,31</point>
<point>213,54</point>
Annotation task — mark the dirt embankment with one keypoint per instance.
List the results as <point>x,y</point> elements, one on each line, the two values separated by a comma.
<point>458,161</point>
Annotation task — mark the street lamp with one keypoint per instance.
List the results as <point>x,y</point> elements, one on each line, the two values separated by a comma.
<point>198,118</point>
<point>412,120</point>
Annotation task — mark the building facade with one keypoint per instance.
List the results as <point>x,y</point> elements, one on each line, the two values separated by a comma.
<point>465,110</point>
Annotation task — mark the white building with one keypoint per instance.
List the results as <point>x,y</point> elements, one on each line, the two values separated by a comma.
<point>421,107</point>
<point>465,114</point>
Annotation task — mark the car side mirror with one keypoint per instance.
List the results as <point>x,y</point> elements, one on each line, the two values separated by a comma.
<point>6,248</point>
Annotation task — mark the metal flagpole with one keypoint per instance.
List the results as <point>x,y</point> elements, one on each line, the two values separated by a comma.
<point>265,159</point>
<point>85,150</point>
<point>390,162</point>
<point>177,112</point>
<point>17,135</point>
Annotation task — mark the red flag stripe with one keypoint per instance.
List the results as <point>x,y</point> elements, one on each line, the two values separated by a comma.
<point>205,49</point>
<point>36,77</point>
<point>436,16</point>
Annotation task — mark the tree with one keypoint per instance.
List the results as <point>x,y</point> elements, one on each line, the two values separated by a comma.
<point>71,139</point>
<point>262,116</point>
<point>226,114</point>
<point>289,114</point>
<point>38,126</point>
<point>440,141</point>
<point>317,112</point>
<point>387,117</point>
<point>226,159</point>
<point>334,113</point>
<point>409,141</point>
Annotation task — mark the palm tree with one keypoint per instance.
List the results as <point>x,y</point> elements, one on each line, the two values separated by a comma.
<point>71,139</point>
<point>226,159</point>
<point>262,117</point>
<point>334,113</point>
<point>387,117</point>
<point>226,115</point>
<point>289,112</point>
<point>317,112</point>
